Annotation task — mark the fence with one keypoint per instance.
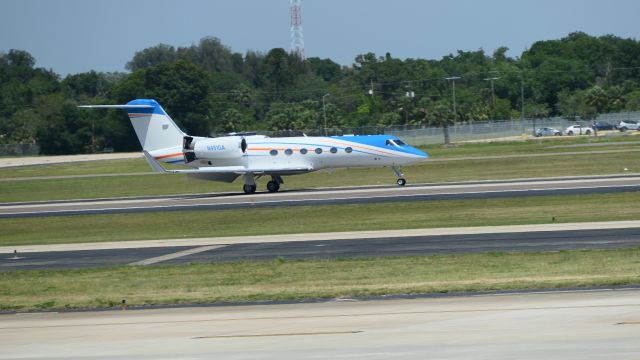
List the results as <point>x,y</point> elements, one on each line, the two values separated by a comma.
<point>19,149</point>
<point>426,135</point>
<point>496,129</point>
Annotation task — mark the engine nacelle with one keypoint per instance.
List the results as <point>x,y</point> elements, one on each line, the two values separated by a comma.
<point>221,148</point>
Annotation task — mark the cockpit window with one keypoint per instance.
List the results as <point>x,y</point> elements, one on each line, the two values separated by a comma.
<point>396,142</point>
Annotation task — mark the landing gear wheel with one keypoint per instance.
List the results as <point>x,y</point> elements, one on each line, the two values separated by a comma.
<point>401,182</point>
<point>249,189</point>
<point>273,186</point>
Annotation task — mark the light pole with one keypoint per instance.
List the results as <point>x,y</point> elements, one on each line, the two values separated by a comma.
<point>324,113</point>
<point>493,98</point>
<point>453,92</point>
<point>409,95</point>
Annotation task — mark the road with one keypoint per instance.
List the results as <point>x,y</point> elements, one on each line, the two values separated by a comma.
<point>322,246</point>
<point>556,325</point>
<point>357,195</point>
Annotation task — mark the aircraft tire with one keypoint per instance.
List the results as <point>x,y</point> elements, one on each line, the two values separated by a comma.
<point>273,186</point>
<point>401,182</point>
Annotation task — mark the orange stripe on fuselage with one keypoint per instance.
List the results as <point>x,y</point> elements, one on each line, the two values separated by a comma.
<point>167,156</point>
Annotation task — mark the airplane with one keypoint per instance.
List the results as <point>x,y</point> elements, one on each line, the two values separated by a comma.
<point>252,156</point>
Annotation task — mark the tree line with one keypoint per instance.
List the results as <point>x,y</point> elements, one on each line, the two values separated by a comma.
<point>208,89</point>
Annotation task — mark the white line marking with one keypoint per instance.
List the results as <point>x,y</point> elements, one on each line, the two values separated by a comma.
<point>176,255</point>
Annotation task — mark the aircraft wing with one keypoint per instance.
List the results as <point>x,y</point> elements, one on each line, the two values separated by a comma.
<point>238,170</point>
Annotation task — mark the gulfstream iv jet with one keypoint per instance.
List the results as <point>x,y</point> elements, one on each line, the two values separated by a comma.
<point>252,156</point>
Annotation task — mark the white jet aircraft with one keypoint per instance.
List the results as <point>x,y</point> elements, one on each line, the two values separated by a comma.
<point>252,156</point>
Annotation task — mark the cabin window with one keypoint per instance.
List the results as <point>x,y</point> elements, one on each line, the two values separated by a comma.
<point>273,152</point>
<point>303,151</point>
<point>333,150</point>
<point>388,143</point>
<point>399,142</point>
<point>288,152</point>
<point>318,151</point>
<point>348,149</point>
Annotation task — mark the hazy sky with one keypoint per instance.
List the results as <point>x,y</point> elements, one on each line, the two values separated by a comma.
<point>73,36</point>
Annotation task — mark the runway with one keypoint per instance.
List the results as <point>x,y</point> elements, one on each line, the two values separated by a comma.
<point>546,238</point>
<point>330,196</point>
<point>556,325</point>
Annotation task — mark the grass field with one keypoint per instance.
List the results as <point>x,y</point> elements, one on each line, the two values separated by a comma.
<point>290,280</point>
<point>309,219</point>
<point>294,280</point>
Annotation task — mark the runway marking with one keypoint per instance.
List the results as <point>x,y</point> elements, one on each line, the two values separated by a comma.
<point>175,255</point>
<point>282,334</point>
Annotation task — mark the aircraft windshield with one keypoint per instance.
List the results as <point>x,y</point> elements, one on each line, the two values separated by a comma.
<point>396,142</point>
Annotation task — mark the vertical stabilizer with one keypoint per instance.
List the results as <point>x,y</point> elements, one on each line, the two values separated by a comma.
<point>154,128</point>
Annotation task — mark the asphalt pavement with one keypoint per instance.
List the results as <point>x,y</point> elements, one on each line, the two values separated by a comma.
<point>328,196</point>
<point>327,249</point>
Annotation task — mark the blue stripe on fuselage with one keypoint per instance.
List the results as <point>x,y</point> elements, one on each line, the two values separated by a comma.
<point>380,141</point>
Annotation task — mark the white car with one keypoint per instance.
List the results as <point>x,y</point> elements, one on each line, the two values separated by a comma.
<point>578,130</point>
<point>625,125</point>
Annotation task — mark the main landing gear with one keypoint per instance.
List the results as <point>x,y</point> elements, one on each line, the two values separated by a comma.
<point>274,184</point>
<point>250,184</point>
<point>401,180</point>
<point>249,189</point>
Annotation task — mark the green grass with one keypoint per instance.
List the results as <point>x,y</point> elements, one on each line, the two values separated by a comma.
<point>122,166</point>
<point>294,280</point>
<point>436,171</point>
<point>309,219</point>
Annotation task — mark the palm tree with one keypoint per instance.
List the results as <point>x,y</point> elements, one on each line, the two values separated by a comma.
<point>441,116</point>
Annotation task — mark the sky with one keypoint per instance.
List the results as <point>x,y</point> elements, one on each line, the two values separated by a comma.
<point>74,36</point>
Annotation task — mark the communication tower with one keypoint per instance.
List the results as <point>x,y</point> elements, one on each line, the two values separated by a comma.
<point>297,40</point>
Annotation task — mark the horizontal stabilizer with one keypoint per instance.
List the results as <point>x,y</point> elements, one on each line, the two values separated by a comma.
<point>117,106</point>
<point>155,165</point>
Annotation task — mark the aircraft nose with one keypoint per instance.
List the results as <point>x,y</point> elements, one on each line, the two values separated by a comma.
<point>420,153</point>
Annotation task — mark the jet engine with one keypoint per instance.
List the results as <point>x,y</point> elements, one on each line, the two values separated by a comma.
<point>220,148</point>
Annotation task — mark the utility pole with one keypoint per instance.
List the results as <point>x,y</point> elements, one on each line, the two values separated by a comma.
<point>522,101</point>
<point>493,97</point>
<point>410,95</point>
<point>324,113</point>
<point>453,92</point>
<point>521,96</point>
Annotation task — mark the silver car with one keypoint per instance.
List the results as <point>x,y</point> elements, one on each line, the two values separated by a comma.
<point>546,131</point>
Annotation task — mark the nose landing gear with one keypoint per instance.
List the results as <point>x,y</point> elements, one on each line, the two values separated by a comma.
<point>401,181</point>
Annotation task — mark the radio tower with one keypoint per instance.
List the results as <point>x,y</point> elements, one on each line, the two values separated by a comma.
<point>297,40</point>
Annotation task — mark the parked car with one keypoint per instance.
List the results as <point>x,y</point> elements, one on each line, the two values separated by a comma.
<point>547,132</point>
<point>625,125</point>
<point>603,125</point>
<point>578,130</point>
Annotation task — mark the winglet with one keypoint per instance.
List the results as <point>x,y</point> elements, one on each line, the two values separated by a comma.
<point>155,165</point>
